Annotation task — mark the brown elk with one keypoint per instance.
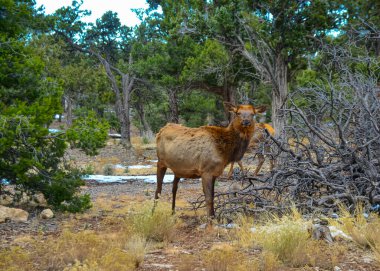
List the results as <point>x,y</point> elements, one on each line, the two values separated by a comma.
<point>259,146</point>
<point>204,152</point>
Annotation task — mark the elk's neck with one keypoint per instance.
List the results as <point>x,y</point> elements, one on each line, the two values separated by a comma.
<point>232,141</point>
<point>239,141</point>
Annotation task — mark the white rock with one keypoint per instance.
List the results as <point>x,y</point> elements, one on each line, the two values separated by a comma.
<point>38,200</point>
<point>337,268</point>
<point>335,232</point>
<point>6,199</point>
<point>13,214</point>
<point>160,265</point>
<point>47,214</point>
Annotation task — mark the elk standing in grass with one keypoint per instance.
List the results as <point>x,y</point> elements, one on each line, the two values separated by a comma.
<point>204,152</point>
<point>259,146</point>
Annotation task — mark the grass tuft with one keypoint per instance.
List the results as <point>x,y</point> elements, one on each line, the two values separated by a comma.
<point>155,223</point>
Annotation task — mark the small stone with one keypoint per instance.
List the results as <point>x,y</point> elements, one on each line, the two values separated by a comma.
<point>47,214</point>
<point>337,268</point>
<point>367,260</point>
<point>160,265</point>
<point>6,200</point>
<point>38,200</point>
<point>321,232</point>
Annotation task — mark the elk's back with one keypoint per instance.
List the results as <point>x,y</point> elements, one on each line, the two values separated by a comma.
<point>188,152</point>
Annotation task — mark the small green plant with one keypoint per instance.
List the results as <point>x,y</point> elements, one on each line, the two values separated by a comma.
<point>88,169</point>
<point>78,204</point>
<point>145,140</point>
<point>108,170</point>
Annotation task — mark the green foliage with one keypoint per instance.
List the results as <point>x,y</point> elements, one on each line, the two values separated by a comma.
<point>77,204</point>
<point>108,170</point>
<point>145,140</point>
<point>198,108</point>
<point>88,133</point>
<point>157,115</point>
<point>210,61</point>
<point>30,157</point>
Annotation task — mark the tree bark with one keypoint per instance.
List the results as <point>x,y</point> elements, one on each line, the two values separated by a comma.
<point>279,96</point>
<point>122,101</point>
<point>173,105</point>
<point>147,131</point>
<point>69,111</point>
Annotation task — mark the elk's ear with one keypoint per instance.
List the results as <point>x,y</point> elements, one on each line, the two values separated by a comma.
<point>230,107</point>
<point>260,109</point>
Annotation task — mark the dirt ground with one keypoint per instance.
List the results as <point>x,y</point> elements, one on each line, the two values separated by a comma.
<point>191,238</point>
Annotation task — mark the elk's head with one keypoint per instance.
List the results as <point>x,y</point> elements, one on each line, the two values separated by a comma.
<point>244,114</point>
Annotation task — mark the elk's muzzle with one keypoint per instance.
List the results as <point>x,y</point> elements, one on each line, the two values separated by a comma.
<point>246,123</point>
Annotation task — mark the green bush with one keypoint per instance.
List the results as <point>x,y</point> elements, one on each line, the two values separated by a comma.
<point>108,170</point>
<point>88,133</point>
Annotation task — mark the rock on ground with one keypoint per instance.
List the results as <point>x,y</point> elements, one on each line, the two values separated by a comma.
<point>13,214</point>
<point>47,214</point>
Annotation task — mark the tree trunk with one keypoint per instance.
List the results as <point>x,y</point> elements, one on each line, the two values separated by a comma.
<point>127,120</point>
<point>69,111</point>
<point>122,99</point>
<point>123,123</point>
<point>279,96</point>
<point>173,105</point>
<point>147,131</point>
<point>228,96</point>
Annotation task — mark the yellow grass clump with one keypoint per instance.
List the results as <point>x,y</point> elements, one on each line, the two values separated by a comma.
<point>14,259</point>
<point>365,232</point>
<point>155,222</point>
<point>227,258</point>
<point>286,239</point>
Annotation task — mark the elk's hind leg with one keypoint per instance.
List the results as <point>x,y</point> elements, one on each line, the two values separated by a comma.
<point>161,170</point>
<point>174,191</point>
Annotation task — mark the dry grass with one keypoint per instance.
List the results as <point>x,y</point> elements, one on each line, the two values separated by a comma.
<point>365,232</point>
<point>227,258</point>
<point>84,250</point>
<point>14,259</point>
<point>125,228</point>
<point>155,222</point>
<point>102,163</point>
<point>286,239</point>
<point>119,243</point>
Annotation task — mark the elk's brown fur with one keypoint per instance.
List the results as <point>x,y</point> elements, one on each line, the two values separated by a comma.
<point>257,145</point>
<point>205,151</point>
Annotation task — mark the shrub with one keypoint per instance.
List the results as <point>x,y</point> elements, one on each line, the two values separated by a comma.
<point>364,231</point>
<point>108,170</point>
<point>145,140</point>
<point>285,240</point>
<point>136,248</point>
<point>78,204</point>
<point>88,133</point>
<point>14,259</point>
<point>155,222</point>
